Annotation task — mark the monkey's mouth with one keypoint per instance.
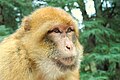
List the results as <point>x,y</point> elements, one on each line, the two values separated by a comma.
<point>66,62</point>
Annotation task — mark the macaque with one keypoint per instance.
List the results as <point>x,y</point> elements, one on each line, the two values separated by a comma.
<point>45,47</point>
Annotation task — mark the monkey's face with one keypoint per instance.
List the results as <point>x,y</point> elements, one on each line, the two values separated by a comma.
<point>52,40</point>
<point>62,40</point>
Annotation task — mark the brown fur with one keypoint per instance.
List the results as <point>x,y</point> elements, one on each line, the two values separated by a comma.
<point>23,55</point>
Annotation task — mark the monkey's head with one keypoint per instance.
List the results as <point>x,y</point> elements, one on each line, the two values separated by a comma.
<point>51,37</point>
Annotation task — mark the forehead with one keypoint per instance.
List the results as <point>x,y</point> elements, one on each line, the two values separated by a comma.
<point>63,26</point>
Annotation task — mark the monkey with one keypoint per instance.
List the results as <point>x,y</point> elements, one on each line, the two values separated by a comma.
<point>45,47</point>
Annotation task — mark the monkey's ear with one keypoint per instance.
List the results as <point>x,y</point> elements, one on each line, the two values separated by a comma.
<point>26,23</point>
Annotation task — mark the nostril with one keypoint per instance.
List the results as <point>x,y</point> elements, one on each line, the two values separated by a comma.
<point>68,47</point>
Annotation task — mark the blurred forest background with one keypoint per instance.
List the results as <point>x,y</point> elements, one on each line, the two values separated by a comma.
<point>99,34</point>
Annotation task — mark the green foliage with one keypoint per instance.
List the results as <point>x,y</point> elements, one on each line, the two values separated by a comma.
<point>13,10</point>
<point>62,3</point>
<point>101,41</point>
<point>101,52</point>
<point>4,32</point>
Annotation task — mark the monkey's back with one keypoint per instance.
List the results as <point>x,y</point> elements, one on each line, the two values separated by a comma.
<point>13,60</point>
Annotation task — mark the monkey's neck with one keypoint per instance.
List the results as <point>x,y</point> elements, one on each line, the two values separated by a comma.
<point>68,76</point>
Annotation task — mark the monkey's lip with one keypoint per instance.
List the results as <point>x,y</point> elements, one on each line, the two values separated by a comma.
<point>66,60</point>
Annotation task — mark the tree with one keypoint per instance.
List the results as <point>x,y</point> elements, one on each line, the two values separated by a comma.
<point>11,13</point>
<point>13,10</point>
<point>101,40</point>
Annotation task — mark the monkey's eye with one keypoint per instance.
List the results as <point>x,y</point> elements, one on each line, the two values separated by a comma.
<point>69,30</point>
<point>56,30</point>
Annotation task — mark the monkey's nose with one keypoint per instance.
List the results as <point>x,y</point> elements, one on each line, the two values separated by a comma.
<point>68,47</point>
<point>68,44</point>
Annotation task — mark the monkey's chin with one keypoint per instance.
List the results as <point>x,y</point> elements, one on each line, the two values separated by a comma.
<point>67,63</point>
